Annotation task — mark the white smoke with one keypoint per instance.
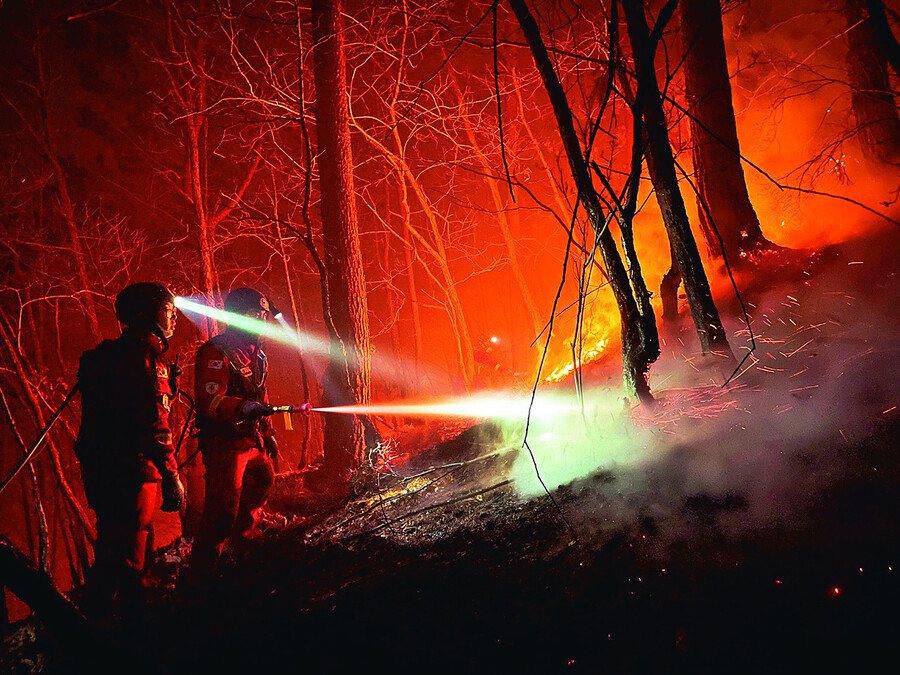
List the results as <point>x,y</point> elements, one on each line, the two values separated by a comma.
<point>759,452</point>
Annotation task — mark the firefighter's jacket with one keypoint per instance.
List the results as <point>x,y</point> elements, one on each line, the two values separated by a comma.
<point>229,372</point>
<point>127,387</point>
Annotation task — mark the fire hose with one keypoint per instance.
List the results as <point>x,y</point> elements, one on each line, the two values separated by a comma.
<point>38,443</point>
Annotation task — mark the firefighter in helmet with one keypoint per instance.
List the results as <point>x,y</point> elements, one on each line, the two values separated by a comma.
<point>489,372</point>
<point>236,436</point>
<point>125,445</point>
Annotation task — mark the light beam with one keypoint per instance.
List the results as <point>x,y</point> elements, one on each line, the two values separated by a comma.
<point>385,367</point>
<point>280,332</point>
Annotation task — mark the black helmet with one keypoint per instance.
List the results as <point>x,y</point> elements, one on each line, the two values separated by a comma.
<point>246,301</point>
<point>145,299</point>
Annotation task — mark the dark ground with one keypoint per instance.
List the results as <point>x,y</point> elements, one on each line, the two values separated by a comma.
<point>785,558</point>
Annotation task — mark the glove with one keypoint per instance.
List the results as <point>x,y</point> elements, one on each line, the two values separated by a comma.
<point>253,410</point>
<point>270,447</point>
<point>172,493</point>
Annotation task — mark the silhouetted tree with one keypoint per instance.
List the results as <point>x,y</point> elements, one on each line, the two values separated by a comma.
<point>637,347</point>
<point>716,151</point>
<point>347,376</point>
<point>872,100</point>
<point>661,165</point>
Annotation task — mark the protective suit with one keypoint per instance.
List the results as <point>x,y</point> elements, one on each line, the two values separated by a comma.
<point>235,436</point>
<point>124,444</point>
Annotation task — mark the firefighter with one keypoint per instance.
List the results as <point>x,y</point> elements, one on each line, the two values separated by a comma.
<point>125,446</point>
<point>489,373</point>
<point>236,437</point>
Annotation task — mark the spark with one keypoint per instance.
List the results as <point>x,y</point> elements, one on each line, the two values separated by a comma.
<point>805,344</point>
<point>812,386</point>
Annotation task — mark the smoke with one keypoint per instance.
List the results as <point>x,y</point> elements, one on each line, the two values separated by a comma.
<point>576,442</point>
<point>760,452</point>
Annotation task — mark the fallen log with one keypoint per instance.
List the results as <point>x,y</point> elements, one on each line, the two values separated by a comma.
<point>83,645</point>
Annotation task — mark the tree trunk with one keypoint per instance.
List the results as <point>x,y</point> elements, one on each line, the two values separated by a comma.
<point>636,358</point>
<point>35,588</point>
<point>67,207</point>
<point>716,151</point>
<point>502,217</point>
<point>37,503</point>
<point>41,515</point>
<point>205,242</point>
<point>347,375</point>
<point>501,209</point>
<point>882,30</point>
<point>873,104</point>
<point>661,165</point>
<point>33,402</point>
<point>295,311</point>
<point>668,289</point>
<point>446,283</point>
<point>409,259</point>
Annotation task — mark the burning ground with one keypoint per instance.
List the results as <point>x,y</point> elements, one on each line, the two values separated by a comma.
<point>745,527</point>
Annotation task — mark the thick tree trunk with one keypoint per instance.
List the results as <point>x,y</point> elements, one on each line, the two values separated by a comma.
<point>636,357</point>
<point>882,30</point>
<point>877,121</point>
<point>716,151</point>
<point>661,165</point>
<point>347,376</point>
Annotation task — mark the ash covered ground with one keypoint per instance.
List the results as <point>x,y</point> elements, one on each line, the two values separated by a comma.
<point>747,528</point>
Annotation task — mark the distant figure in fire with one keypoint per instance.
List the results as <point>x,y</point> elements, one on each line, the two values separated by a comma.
<point>236,438</point>
<point>125,446</point>
<point>489,372</point>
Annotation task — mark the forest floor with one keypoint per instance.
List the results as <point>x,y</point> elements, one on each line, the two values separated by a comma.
<point>751,528</point>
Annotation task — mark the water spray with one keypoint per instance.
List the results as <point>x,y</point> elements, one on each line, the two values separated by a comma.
<point>487,406</point>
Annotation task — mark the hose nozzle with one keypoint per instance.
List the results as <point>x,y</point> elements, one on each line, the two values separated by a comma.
<point>304,408</point>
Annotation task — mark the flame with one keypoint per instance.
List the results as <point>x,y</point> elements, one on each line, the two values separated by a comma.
<point>587,356</point>
<point>788,141</point>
